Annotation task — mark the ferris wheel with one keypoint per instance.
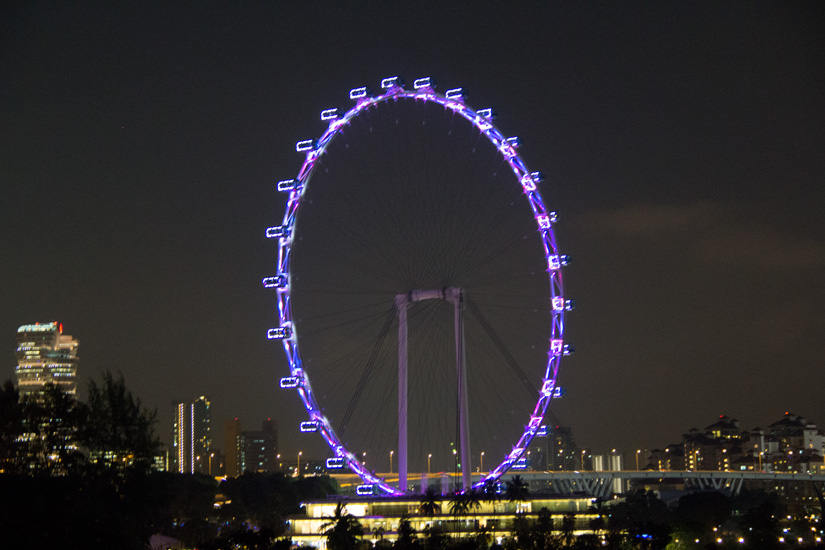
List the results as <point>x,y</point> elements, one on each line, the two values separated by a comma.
<point>395,243</point>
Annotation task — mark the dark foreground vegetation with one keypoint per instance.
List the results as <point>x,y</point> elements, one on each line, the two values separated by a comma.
<point>79,475</point>
<point>99,511</point>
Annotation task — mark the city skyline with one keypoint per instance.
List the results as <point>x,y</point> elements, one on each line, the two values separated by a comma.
<point>191,439</point>
<point>682,148</point>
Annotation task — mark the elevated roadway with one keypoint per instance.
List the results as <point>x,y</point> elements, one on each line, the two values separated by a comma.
<point>603,483</point>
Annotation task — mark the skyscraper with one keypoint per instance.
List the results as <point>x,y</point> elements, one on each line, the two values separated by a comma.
<point>232,434</point>
<point>562,453</point>
<point>45,354</point>
<point>259,450</point>
<point>191,436</point>
<point>251,451</point>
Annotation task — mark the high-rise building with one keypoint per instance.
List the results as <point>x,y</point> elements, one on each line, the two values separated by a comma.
<point>45,354</point>
<point>231,434</point>
<point>251,451</point>
<point>191,436</point>
<point>202,431</point>
<point>562,453</point>
<point>259,450</point>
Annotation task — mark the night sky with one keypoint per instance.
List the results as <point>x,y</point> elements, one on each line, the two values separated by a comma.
<point>683,146</point>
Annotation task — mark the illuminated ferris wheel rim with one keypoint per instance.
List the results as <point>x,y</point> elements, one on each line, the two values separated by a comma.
<point>453,100</point>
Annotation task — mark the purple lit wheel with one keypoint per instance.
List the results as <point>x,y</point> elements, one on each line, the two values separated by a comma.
<point>452,120</point>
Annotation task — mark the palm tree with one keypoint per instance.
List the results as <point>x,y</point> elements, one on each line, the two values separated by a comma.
<point>458,507</point>
<point>464,502</point>
<point>522,530</point>
<point>378,535</point>
<point>483,538</point>
<point>517,490</point>
<point>597,524</point>
<point>406,535</point>
<point>458,504</point>
<point>472,500</point>
<point>491,493</point>
<point>342,529</point>
<point>430,505</point>
<point>568,525</point>
<point>435,539</point>
<point>543,536</point>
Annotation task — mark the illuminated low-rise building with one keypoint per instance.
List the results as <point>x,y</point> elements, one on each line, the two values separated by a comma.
<point>380,517</point>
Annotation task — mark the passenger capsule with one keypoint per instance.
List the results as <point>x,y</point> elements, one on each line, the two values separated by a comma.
<point>426,82</point>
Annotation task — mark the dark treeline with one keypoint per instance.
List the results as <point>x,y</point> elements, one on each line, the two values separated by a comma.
<point>52,433</point>
<point>99,511</point>
<point>78,474</point>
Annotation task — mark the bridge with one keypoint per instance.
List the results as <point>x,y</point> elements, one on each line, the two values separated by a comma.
<point>601,484</point>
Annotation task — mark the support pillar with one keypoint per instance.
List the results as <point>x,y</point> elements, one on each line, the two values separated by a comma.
<point>456,297</point>
<point>401,303</point>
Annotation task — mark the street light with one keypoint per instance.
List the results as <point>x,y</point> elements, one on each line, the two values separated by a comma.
<point>429,456</point>
<point>481,467</point>
<point>391,452</point>
<point>637,458</point>
<point>298,469</point>
<point>210,462</point>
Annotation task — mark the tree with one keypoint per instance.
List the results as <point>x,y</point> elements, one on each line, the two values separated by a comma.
<point>568,526</point>
<point>464,502</point>
<point>378,534</point>
<point>760,522</point>
<point>314,488</point>
<point>435,538</point>
<point>430,503</point>
<point>516,490</point>
<point>458,505</point>
<point>598,523</point>
<point>48,444</point>
<point>587,542</point>
<point>522,531</point>
<point>119,432</point>
<point>491,493</point>
<point>643,518</point>
<point>11,427</point>
<point>543,531</point>
<point>406,535</point>
<point>342,529</point>
<point>472,500</point>
<point>698,513</point>
<point>483,538</point>
<point>259,499</point>
<point>169,503</point>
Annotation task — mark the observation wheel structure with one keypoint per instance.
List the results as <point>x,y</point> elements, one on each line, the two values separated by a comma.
<point>525,184</point>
